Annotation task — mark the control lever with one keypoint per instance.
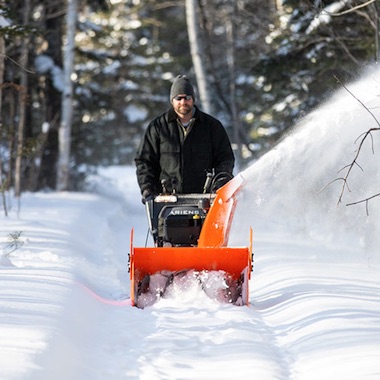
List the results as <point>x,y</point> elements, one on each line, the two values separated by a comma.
<point>163,184</point>
<point>174,184</point>
<point>207,185</point>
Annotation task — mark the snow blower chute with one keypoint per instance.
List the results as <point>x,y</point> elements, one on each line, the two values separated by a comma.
<point>190,233</point>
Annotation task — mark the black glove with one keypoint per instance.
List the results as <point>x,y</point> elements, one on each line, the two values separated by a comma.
<point>147,195</point>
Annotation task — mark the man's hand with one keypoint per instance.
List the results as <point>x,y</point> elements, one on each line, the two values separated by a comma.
<point>147,196</point>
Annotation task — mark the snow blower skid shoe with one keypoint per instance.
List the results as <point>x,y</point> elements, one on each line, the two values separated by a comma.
<point>190,233</point>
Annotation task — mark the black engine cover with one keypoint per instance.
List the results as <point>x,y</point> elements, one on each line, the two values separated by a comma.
<point>180,225</point>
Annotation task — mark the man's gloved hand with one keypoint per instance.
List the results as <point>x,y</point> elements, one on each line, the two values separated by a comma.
<point>147,195</point>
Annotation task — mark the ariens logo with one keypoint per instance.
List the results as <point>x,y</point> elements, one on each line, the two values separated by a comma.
<point>184,212</point>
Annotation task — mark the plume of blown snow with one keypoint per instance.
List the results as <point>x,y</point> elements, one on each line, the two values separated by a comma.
<point>299,183</point>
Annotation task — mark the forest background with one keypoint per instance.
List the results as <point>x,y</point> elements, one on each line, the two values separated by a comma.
<point>81,79</point>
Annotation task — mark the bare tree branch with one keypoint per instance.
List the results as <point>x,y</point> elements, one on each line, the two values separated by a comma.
<point>353,9</point>
<point>361,139</point>
<point>366,200</point>
<point>374,117</point>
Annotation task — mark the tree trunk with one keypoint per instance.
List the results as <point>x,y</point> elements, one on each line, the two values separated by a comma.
<point>230,31</point>
<point>377,31</point>
<point>53,34</point>
<point>2,179</point>
<point>2,67</point>
<point>197,55</point>
<point>22,103</point>
<point>64,135</point>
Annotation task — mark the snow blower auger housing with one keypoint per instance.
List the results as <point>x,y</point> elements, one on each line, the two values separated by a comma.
<point>190,234</point>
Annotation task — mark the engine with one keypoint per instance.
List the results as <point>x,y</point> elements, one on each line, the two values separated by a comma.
<point>180,225</point>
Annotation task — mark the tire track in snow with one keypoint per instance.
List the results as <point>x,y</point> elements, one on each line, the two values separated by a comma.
<point>205,339</point>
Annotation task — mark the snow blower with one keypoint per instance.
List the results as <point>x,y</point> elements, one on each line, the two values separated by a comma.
<point>190,234</point>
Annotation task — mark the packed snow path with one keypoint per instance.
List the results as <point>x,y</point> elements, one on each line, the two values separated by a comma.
<point>67,294</point>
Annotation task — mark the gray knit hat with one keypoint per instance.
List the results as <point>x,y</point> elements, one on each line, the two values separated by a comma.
<point>181,85</point>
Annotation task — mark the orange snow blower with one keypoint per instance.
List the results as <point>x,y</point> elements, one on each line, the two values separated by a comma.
<point>190,233</point>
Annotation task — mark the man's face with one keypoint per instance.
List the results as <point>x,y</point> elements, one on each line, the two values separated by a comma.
<point>183,104</point>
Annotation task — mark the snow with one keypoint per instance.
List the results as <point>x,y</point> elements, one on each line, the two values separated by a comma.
<point>44,64</point>
<point>4,23</point>
<point>314,308</point>
<point>324,17</point>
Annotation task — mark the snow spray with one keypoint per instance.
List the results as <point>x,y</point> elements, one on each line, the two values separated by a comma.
<point>296,185</point>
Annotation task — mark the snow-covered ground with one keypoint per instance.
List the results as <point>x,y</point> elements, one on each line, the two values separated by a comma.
<point>314,292</point>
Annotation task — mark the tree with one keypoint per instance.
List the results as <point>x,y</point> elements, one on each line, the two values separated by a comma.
<point>376,7</point>
<point>231,61</point>
<point>318,41</point>
<point>50,89</point>
<point>63,168</point>
<point>197,54</point>
<point>3,22</point>
<point>263,66</point>
<point>22,102</point>
<point>233,33</point>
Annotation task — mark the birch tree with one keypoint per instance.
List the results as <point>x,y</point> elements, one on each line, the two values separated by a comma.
<point>2,65</point>
<point>197,54</point>
<point>3,22</point>
<point>64,135</point>
<point>231,61</point>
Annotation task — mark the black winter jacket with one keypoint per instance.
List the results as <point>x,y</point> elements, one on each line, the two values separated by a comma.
<point>165,152</point>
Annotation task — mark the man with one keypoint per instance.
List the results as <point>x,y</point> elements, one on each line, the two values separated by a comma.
<point>181,146</point>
